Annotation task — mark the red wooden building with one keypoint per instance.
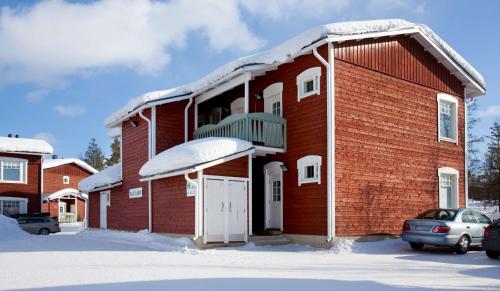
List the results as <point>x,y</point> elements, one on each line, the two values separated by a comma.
<point>21,174</point>
<point>344,130</point>
<point>61,198</point>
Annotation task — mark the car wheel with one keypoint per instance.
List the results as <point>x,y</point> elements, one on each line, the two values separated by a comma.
<point>44,231</point>
<point>463,245</point>
<point>417,246</point>
<point>492,254</point>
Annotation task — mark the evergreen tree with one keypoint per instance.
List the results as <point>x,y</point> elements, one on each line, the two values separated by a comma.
<point>492,163</point>
<point>94,156</point>
<point>115,153</point>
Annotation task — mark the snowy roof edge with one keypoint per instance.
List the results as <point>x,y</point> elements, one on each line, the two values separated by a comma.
<point>25,146</point>
<point>289,49</point>
<point>107,178</point>
<point>48,164</point>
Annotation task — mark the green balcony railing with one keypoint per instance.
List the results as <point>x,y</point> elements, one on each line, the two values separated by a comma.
<point>258,127</point>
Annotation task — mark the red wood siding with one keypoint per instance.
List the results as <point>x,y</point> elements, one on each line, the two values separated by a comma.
<point>387,153</point>
<point>234,168</point>
<point>304,207</point>
<point>94,210</point>
<point>170,125</point>
<point>53,177</point>
<point>402,57</point>
<point>31,190</point>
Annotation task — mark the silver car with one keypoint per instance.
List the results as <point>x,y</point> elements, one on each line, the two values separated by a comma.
<point>39,225</point>
<point>458,228</point>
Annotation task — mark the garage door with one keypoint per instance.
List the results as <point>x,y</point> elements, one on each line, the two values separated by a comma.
<point>225,210</point>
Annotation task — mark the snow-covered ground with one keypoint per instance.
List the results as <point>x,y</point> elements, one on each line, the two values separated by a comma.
<point>98,260</point>
<point>488,209</point>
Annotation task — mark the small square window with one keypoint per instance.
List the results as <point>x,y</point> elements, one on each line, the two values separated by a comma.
<point>66,180</point>
<point>309,169</point>
<point>308,86</point>
<point>308,83</point>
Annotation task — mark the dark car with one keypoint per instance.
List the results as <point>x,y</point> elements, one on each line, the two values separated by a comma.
<point>39,225</point>
<point>491,240</point>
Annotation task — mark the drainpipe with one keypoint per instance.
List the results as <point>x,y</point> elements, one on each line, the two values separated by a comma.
<point>186,115</point>
<point>41,186</point>
<point>466,148</point>
<point>330,144</point>
<point>150,226</point>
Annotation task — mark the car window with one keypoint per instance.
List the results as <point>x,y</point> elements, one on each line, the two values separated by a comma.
<point>468,217</point>
<point>482,218</point>
<point>35,220</point>
<point>438,214</point>
<point>21,221</point>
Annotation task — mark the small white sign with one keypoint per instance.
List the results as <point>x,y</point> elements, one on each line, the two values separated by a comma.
<point>191,188</point>
<point>135,193</point>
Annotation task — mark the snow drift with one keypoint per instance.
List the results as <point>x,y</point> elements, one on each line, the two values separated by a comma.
<point>9,229</point>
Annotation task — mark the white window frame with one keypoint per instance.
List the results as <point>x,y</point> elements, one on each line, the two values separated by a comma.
<point>313,74</point>
<point>66,180</point>
<point>24,170</point>
<point>274,93</point>
<point>307,161</point>
<point>23,203</point>
<point>455,174</point>
<point>442,97</point>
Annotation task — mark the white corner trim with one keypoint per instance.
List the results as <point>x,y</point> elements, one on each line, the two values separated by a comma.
<point>314,74</point>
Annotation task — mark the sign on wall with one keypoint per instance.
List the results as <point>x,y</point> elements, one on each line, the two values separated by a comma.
<point>191,188</point>
<point>135,193</point>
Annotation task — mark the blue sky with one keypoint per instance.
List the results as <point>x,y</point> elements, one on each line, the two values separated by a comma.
<point>65,66</point>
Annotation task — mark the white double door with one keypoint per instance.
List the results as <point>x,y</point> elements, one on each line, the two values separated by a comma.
<point>225,210</point>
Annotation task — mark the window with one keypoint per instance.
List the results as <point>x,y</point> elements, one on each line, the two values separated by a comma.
<point>468,217</point>
<point>13,170</point>
<point>12,206</point>
<point>481,218</point>
<point>276,191</point>
<point>448,187</point>
<point>309,169</point>
<point>447,119</point>
<point>66,180</point>
<point>438,214</point>
<point>308,83</point>
<point>273,99</point>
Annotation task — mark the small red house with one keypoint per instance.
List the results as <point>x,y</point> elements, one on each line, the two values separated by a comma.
<point>21,174</point>
<point>344,130</point>
<point>61,199</point>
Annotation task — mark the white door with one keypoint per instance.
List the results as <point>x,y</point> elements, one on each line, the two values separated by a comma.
<point>274,195</point>
<point>104,210</point>
<point>62,208</point>
<point>237,191</point>
<point>273,99</point>
<point>447,186</point>
<point>214,209</point>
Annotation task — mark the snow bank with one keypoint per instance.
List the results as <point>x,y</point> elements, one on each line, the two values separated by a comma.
<point>107,177</point>
<point>289,49</point>
<point>24,145</point>
<point>9,229</point>
<point>142,239</point>
<point>348,246</point>
<point>194,153</point>
<point>52,163</point>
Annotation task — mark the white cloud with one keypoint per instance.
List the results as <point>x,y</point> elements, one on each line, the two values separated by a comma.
<point>46,136</point>
<point>53,39</point>
<point>69,110</point>
<point>281,9</point>
<point>490,111</point>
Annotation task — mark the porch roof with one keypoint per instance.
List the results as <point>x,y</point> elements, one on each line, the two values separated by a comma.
<point>65,192</point>
<point>195,155</point>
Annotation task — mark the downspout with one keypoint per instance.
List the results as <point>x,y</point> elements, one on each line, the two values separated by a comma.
<point>41,186</point>
<point>150,226</point>
<point>466,149</point>
<point>186,115</point>
<point>330,116</point>
<point>196,197</point>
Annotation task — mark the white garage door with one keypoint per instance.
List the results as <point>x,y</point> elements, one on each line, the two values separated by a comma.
<point>225,210</point>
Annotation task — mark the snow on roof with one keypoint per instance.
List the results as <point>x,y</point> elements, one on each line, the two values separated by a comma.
<point>47,164</point>
<point>64,192</point>
<point>194,153</point>
<point>114,132</point>
<point>287,50</point>
<point>24,145</point>
<point>105,178</point>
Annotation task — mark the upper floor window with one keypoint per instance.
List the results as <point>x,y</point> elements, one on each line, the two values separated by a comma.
<point>447,119</point>
<point>273,99</point>
<point>66,180</point>
<point>308,83</point>
<point>309,169</point>
<point>13,170</point>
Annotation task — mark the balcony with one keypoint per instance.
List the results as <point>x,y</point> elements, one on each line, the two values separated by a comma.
<point>260,128</point>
